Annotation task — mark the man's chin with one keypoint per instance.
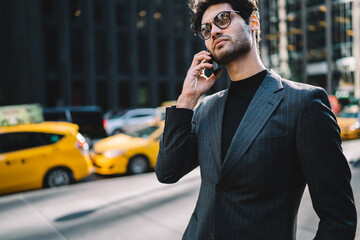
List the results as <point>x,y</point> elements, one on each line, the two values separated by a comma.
<point>221,58</point>
<point>219,55</point>
<point>224,56</point>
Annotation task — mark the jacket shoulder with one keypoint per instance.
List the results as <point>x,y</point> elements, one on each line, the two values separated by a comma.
<point>298,86</point>
<point>302,92</point>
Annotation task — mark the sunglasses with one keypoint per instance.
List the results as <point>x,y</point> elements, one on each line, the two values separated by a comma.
<point>221,20</point>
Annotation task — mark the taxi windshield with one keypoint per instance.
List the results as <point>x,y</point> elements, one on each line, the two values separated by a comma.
<point>145,132</point>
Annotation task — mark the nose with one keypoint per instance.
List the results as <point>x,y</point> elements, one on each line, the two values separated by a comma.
<point>216,31</point>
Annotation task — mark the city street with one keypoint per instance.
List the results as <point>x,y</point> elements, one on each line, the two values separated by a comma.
<point>87,85</point>
<point>126,207</point>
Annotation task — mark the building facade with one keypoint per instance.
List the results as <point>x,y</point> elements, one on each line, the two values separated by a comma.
<point>135,53</point>
<point>110,53</point>
<point>314,41</point>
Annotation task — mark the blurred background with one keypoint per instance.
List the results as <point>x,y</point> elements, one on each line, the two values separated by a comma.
<point>135,53</point>
<point>108,69</point>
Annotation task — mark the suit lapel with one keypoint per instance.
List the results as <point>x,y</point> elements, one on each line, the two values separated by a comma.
<point>215,127</point>
<point>264,103</point>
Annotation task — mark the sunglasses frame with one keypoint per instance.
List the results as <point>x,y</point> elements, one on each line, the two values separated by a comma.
<point>200,35</point>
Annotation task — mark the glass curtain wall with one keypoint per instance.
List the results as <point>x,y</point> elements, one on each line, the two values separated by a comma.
<point>343,57</point>
<point>295,39</point>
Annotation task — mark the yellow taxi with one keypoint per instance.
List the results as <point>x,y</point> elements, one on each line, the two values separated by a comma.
<point>133,153</point>
<point>348,121</point>
<point>46,154</point>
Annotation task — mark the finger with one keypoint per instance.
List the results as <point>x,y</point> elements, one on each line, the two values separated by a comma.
<point>202,66</point>
<point>198,58</point>
<point>202,53</point>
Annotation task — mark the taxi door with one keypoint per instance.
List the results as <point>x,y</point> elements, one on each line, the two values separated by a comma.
<point>21,161</point>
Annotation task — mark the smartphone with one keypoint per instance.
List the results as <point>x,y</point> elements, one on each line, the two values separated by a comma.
<point>215,65</point>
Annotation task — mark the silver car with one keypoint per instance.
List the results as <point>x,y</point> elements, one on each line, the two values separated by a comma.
<point>129,121</point>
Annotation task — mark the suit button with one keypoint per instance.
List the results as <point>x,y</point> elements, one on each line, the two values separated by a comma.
<point>212,236</point>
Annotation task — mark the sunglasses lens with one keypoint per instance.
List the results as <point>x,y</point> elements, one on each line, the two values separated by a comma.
<point>205,30</point>
<point>222,20</point>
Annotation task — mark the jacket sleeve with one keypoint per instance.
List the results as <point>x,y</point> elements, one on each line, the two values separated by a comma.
<point>177,154</point>
<point>325,168</point>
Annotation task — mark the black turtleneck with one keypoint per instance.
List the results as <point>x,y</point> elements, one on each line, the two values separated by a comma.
<point>239,97</point>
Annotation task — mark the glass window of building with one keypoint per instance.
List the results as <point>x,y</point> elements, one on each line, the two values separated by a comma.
<point>123,53</point>
<point>124,94</point>
<point>100,52</point>
<point>75,11</point>
<point>144,94</point>
<point>293,5</point>
<point>180,61</point>
<point>162,55</point>
<point>52,92</point>
<point>295,39</point>
<point>273,35</point>
<point>160,15</point>
<point>163,92</point>
<point>51,37</point>
<point>142,15</point>
<point>143,53</point>
<point>179,86</point>
<point>78,93</point>
<point>316,28</point>
<point>101,94</point>
<point>311,3</point>
<point>48,8</point>
<point>342,25</point>
<point>179,16</point>
<point>122,14</point>
<point>342,35</point>
<point>76,50</point>
<point>98,12</point>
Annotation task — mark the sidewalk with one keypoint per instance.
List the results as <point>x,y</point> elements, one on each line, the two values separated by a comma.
<point>131,207</point>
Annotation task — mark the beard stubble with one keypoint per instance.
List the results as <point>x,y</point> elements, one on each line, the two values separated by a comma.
<point>239,47</point>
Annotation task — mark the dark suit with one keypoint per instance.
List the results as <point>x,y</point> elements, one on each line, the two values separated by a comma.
<point>288,138</point>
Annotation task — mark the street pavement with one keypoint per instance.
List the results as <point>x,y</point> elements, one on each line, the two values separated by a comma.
<point>126,208</point>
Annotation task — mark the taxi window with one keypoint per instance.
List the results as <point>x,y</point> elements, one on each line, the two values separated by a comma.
<point>10,142</point>
<point>141,115</point>
<point>55,116</point>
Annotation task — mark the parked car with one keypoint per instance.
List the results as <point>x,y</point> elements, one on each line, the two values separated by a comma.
<point>89,119</point>
<point>134,153</point>
<point>129,121</point>
<point>46,154</point>
<point>114,111</point>
<point>335,105</point>
<point>348,120</point>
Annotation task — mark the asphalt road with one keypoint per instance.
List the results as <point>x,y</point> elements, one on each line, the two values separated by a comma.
<point>126,208</point>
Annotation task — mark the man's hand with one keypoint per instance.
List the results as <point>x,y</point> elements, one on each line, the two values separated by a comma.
<point>196,83</point>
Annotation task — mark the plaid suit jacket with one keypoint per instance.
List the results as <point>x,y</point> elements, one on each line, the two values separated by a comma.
<point>288,138</point>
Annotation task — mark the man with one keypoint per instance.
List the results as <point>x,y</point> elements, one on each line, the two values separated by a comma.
<point>257,143</point>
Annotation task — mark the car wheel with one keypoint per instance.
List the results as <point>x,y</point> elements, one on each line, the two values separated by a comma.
<point>117,131</point>
<point>57,177</point>
<point>138,164</point>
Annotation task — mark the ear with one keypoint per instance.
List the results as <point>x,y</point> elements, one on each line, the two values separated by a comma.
<point>254,23</point>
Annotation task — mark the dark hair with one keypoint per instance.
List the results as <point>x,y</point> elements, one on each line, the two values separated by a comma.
<point>245,7</point>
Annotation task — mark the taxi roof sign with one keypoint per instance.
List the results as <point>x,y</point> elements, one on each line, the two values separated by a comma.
<point>20,114</point>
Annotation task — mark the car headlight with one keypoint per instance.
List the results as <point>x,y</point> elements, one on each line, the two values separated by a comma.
<point>81,142</point>
<point>113,153</point>
<point>355,126</point>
